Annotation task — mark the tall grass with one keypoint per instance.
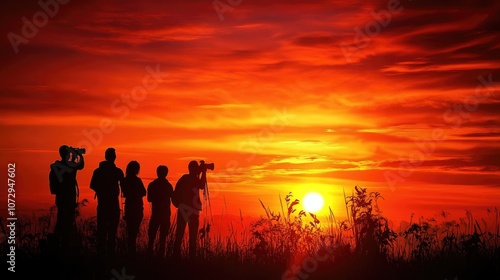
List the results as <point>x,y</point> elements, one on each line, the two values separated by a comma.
<point>280,238</point>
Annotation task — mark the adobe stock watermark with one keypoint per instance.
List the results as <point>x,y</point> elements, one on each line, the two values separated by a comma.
<point>310,264</point>
<point>121,275</point>
<point>122,106</point>
<point>30,28</point>
<point>362,37</point>
<point>454,117</point>
<point>255,143</point>
<point>277,124</point>
<point>221,7</point>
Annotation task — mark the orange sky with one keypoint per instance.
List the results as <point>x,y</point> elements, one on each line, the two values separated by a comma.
<point>283,96</point>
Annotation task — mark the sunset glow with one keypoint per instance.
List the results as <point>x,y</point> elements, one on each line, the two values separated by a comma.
<point>313,202</point>
<point>250,139</point>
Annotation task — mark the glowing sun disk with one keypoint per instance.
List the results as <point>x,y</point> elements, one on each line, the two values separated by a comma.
<point>313,202</point>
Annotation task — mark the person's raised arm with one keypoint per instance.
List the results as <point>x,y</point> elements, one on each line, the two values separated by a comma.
<point>81,162</point>
<point>202,181</point>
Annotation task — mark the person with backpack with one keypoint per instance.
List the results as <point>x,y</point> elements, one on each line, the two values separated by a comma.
<point>159,194</point>
<point>106,181</point>
<point>187,199</point>
<point>133,191</point>
<point>63,184</point>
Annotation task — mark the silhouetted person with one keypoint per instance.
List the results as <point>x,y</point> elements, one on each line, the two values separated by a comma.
<point>133,190</point>
<point>63,184</point>
<point>160,192</point>
<point>187,200</point>
<point>105,182</point>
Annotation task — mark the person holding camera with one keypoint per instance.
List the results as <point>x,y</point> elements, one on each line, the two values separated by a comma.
<point>63,184</point>
<point>187,199</point>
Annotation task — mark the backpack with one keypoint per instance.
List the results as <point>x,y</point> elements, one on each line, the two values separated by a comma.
<point>54,183</point>
<point>176,195</point>
<point>57,176</point>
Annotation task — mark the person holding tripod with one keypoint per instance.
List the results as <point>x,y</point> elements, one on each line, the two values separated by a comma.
<point>187,199</point>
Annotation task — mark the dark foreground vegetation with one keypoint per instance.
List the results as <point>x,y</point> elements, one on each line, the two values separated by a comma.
<point>286,244</point>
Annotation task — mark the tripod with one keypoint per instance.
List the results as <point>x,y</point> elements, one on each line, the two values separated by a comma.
<point>207,224</point>
<point>206,196</point>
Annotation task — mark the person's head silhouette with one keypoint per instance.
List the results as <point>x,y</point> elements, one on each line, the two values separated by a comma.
<point>110,154</point>
<point>133,168</point>
<point>193,168</point>
<point>162,171</point>
<point>64,152</point>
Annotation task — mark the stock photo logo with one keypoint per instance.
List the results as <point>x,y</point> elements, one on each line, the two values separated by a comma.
<point>31,27</point>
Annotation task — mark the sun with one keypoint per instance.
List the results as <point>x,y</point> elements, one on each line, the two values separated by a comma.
<point>313,202</point>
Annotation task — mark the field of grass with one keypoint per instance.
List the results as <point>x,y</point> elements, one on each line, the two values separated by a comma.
<point>284,244</point>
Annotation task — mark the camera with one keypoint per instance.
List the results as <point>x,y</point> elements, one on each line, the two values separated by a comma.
<point>205,166</point>
<point>79,151</point>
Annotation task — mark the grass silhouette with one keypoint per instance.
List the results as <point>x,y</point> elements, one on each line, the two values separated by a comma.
<point>284,244</point>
